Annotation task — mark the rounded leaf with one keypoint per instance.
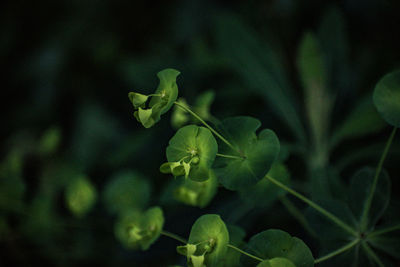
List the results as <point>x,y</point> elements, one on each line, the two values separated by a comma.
<point>275,243</point>
<point>387,98</point>
<point>193,143</point>
<point>138,230</point>
<point>210,232</point>
<point>258,153</point>
<point>80,196</point>
<point>126,190</point>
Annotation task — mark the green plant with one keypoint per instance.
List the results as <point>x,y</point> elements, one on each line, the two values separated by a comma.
<point>251,163</point>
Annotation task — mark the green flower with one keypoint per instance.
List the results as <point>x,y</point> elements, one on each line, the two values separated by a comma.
<point>160,102</point>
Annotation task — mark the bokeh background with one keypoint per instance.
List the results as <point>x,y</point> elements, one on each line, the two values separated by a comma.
<point>69,65</point>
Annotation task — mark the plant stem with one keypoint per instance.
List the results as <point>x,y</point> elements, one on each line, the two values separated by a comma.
<point>372,254</point>
<point>244,252</point>
<point>228,156</point>
<point>314,205</point>
<point>174,236</point>
<point>297,214</point>
<point>205,124</point>
<point>384,230</point>
<point>367,206</point>
<point>338,251</point>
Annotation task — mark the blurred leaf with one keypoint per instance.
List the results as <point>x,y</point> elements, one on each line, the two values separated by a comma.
<point>362,120</point>
<point>195,193</point>
<point>276,262</point>
<point>259,65</point>
<point>80,196</point>
<point>263,193</point>
<point>138,230</point>
<point>127,190</point>
<point>360,187</point>
<point>50,141</point>
<point>255,155</point>
<point>313,74</point>
<point>387,98</point>
<point>179,116</point>
<point>210,233</point>
<point>275,243</point>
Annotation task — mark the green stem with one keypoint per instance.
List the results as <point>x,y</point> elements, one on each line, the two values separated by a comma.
<point>297,214</point>
<point>314,205</point>
<point>205,124</point>
<point>174,236</point>
<point>228,156</point>
<point>375,181</point>
<point>384,230</point>
<point>372,254</point>
<point>244,252</point>
<point>338,251</point>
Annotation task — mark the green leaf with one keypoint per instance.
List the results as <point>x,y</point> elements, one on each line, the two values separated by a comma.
<point>275,243</point>
<point>312,68</point>
<point>259,65</point>
<point>203,103</point>
<point>196,146</point>
<point>179,116</point>
<point>188,250</point>
<point>80,196</point>
<point>126,190</point>
<point>197,261</point>
<point>362,120</point>
<point>196,193</point>
<point>161,101</point>
<point>258,153</point>
<point>49,141</point>
<point>232,256</point>
<point>360,187</point>
<point>387,243</point>
<point>264,193</point>
<point>212,237</point>
<point>276,262</point>
<point>387,98</point>
<point>138,230</point>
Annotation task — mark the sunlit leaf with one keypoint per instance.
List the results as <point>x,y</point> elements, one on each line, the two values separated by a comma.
<point>274,243</point>
<point>194,145</point>
<point>256,153</point>
<point>387,98</point>
<point>212,237</point>
<point>126,190</point>
<point>138,230</point>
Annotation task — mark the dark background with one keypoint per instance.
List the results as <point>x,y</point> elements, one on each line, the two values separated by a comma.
<point>70,65</point>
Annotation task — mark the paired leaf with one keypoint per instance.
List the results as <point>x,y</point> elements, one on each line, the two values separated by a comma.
<point>387,98</point>
<point>212,237</point>
<point>138,230</point>
<point>195,146</point>
<point>161,101</point>
<point>274,243</point>
<point>80,196</point>
<point>126,190</point>
<point>256,154</point>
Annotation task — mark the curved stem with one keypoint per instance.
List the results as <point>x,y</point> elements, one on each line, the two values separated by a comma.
<point>297,214</point>
<point>338,251</point>
<point>314,205</point>
<point>228,156</point>
<point>244,252</point>
<point>205,124</point>
<point>372,254</point>
<point>174,236</point>
<point>375,181</point>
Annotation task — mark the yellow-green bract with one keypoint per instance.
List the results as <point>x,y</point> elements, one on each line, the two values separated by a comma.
<point>160,101</point>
